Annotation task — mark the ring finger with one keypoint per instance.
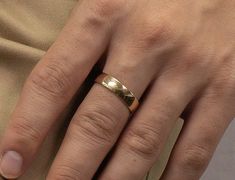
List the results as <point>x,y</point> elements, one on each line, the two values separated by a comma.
<point>147,133</point>
<point>100,119</point>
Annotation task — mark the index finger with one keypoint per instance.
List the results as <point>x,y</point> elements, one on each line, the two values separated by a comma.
<point>50,87</point>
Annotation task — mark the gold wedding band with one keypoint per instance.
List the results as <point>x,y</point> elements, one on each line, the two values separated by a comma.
<point>115,86</point>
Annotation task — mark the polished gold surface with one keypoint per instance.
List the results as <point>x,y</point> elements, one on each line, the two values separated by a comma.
<point>118,89</point>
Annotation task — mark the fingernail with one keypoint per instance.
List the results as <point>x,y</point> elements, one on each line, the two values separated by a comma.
<point>11,164</point>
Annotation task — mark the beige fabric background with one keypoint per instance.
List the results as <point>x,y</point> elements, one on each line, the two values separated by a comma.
<point>27,29</point>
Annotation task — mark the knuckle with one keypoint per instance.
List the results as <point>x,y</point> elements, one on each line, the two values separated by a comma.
<point>222,85</point>
<point>109,8</point>
<point>144,140</point>
<point>65,172</point>
<point>51,81</point>
<point>98,125</point>
<point>25,131</point>
<point>156,33</point>
<point>224,82</point>
<point>192,62</point>
<point>196,58</point>
<point>195,158</point>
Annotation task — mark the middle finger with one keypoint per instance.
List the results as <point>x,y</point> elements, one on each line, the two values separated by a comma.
<point>101,117</point>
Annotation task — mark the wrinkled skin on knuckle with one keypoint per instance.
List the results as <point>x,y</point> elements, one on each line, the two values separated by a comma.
<point>98,125</point>
<point>25,135</point>
<point>26,131</point>
<point>143,141</point>
<point>227,75</point>
<point>51,81</point>
<point>194,159</point>
<point>223,83</point>
<point>65,172</point>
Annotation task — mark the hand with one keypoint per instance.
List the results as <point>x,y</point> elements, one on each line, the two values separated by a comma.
<point>182,51</point>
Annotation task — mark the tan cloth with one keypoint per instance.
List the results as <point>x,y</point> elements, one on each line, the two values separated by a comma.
<point>27,29</point>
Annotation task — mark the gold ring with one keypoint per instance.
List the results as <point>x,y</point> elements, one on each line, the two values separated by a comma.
<point>115,86</point>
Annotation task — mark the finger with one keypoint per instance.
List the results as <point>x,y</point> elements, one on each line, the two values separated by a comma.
<point>143,140</point>
<point>99,120</point>
<point>51,86</point>
<point>203,130</point>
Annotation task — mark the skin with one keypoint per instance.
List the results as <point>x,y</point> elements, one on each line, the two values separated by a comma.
<point>181,51</point>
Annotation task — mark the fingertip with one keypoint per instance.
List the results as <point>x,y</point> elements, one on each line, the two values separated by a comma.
<point>11,165</point>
